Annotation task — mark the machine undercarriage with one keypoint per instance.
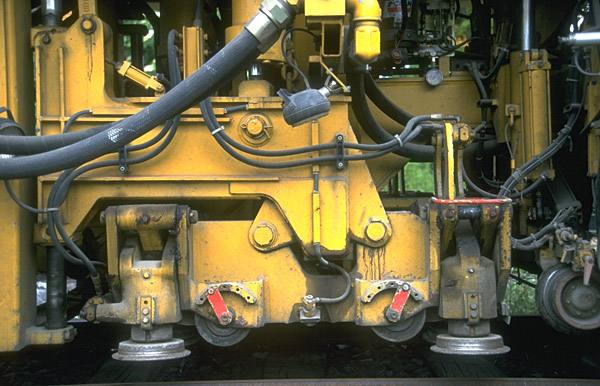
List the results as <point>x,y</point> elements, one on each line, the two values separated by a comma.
<point>248,165</point>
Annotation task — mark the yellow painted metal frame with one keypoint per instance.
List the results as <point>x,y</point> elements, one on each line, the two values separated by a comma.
<point>18,299</point>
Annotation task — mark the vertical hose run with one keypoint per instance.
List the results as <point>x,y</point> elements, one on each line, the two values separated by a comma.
<point>56,290</point>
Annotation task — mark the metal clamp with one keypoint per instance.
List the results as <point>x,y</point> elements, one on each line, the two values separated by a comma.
<point>123,167</point>
<point>339,151</point>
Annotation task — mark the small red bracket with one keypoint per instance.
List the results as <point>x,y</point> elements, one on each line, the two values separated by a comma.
<point>216,301</point>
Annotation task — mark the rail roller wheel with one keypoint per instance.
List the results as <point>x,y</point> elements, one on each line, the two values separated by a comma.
<point>403,330</point>
<point>565,303</point>
<point>222,336</point>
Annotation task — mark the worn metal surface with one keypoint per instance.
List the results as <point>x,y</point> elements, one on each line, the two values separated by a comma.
<point>138,351</point>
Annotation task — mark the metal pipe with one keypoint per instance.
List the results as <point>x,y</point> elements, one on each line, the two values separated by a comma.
<point>56,290</point>
<point>52,13</point>
<point>527,25</point>
<point>581,39</point>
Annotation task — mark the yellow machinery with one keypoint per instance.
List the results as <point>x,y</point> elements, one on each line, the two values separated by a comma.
<point>256,171</point>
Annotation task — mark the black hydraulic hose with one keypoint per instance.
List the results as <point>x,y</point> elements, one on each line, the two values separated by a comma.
<point>56,290</point>
<point>404,5</point>
<point>91,267</point>
<point>58,195</point>
<point>483,94</point>
<point>305,149</point>
<point>23,205</point>
<point>19,145</point>
<point>536,184</point>
<point>174,73</point>
<point>384,103</point>
<point>73,118</point>
<point>216,131</point>
<point>198,11</point>
<point>551,227</point>
<point>377,133</point>
<point>496,67</point>
<point>152,141</point>
<point>558,143</point>
<point>232,59</point>
<point>288,60</point>
<point>473,186</point>
<point>530,247</point>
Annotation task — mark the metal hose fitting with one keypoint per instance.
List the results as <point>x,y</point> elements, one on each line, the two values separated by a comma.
<point>266,25</point>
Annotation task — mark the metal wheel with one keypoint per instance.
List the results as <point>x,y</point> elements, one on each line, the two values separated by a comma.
<point>565,303</point>
<point>218,335</point>
<point>403,330</point>
<point>577,305</point>
<point>544,299</point>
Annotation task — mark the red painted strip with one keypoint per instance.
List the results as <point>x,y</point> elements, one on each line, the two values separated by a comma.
<point>217,303</point>
<point>472,201</point>
<point>399,301</point>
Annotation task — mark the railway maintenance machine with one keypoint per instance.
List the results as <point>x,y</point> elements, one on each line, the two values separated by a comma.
<point>225,164</point>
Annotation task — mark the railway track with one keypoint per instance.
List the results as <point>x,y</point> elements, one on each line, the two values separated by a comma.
<point>328,355</point>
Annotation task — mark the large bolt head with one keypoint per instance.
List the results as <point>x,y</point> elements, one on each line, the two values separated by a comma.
<point>376,231</point>
<point>264,235</point>
<point>392,315</point>
<point>255,127</point>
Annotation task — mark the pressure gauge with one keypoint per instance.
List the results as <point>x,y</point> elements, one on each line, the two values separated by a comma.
<point>434,77</point>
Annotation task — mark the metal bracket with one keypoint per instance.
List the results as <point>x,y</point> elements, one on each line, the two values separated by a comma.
<point>310,313</point>
<point>472,307</point>
<point>339,151</point>
<point>123,167</point>
<point>512,111</point>
<point>146,308</point>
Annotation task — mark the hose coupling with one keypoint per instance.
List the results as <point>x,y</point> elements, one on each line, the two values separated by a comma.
<point>266,25</point>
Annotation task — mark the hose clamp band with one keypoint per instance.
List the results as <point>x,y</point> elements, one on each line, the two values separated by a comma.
<point>399,140</point>
<point>217,130</point>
